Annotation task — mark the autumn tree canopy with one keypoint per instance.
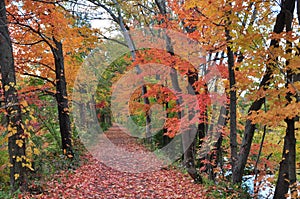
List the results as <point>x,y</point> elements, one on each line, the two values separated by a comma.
<point>216,80</point>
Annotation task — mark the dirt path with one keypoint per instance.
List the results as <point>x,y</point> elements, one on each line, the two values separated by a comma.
<point>94,179</point>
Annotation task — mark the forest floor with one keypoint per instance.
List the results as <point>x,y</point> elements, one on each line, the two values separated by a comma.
<point>94,179</point>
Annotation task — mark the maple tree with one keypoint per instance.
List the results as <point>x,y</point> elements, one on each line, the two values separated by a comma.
<point>43,27</point>
<point>227,18</point>
<point>189,146</point>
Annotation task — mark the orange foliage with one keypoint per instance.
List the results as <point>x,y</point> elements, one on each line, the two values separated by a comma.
<point>32,32</point>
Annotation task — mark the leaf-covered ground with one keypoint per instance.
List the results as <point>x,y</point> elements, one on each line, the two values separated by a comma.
<point>96,180</point>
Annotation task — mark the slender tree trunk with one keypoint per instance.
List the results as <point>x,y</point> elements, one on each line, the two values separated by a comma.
<point>290,130</point>
<point>188,137</point>
<point>282,185</point>
<point>290,122</point>
<point>62,99</point>
<point>292,156</point>
<point>132,49</point>
<point>232,105</point>
<point>192,130</point>
<point>287,172</point>
<point>166,139</point>
<point>216,154</point>
<point>130,44</point>
<point>292,147</point>
<point>16,136</point>
<point>148,114</point>
<point>82,113</point>
<point>257,104</point>
<point>201,133</point>
<point>223,119</point>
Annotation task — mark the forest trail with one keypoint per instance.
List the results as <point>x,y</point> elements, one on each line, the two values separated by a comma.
<point>94,179</point>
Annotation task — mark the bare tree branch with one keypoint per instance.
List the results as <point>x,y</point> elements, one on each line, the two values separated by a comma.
<point>40,77</point>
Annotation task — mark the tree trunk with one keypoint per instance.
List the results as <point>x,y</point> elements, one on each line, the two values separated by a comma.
<point>216,154</point>
<point>290,130</point>
<point>131,46</point>
<point>148,114</point>
<point>62,100</point>
<point>282,185</point>
<point>292,147</point>
<point>166,139</point>
<point>292,156</point>
<point>188,137</point>
<point>287,172</point>
<point>256,105</point>
<point>189,155</point>
<point>12,107</point>
<point>82,112</point>
<point>232,105</point>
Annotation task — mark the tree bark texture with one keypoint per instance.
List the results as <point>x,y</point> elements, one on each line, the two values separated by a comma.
<point>12,107</point>
<point>62,99</point>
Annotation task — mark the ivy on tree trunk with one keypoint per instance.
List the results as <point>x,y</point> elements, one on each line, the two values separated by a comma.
<point>16,136</point>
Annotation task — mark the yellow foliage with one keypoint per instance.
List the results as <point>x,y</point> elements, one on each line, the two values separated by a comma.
<point>19,159</point>
<point>12,130</point>
<point>20,143</point>
<point>6,87</point>
<point>16,176</point>
<point>24,103</point>
<point>36,151</point>
<point>28,165</point>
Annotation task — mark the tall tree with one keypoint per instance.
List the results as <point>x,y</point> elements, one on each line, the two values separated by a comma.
<point>16,136</point>
<point>233,99</point>
<point>62,99</point>
<point>232,96</point>
<point>46,30</point>
<point>209,23</point>
<point>287,170</point>
<point>189,135</point>
<point>287,6</point>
